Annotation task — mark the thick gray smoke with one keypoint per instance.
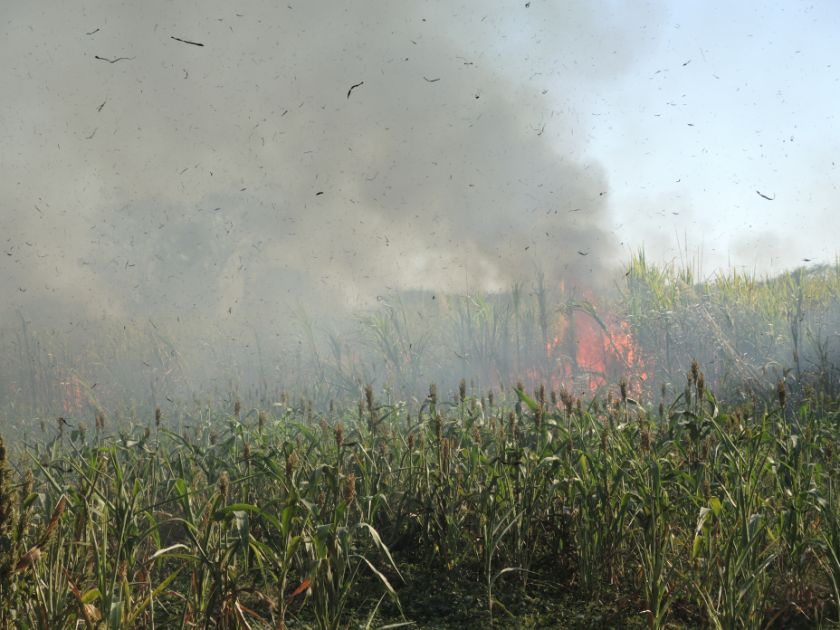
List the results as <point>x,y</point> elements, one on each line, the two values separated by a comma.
<point>199,214</point>
<point>245,175</point>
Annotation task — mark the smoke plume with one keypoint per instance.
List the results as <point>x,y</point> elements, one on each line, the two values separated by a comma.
<point>247,175</point>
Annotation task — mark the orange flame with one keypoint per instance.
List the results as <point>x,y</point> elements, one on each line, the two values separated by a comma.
<point>594,353</point>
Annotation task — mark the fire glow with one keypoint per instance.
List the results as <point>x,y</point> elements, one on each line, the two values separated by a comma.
<point>591,352</point>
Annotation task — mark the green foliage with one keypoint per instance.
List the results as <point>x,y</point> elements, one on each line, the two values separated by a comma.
<point>708,516</point>
<point>747,332</point>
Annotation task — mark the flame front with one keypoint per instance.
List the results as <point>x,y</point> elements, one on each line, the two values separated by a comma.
<point>590,352</point>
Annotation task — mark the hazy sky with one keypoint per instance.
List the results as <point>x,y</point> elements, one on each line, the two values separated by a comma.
<point>483,142</point>
<point>731,98</point>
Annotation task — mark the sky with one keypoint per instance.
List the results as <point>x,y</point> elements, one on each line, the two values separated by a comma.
<point>733,98</point>
<point>323,153</point>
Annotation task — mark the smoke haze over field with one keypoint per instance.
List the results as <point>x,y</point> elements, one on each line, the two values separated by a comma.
<point>239,175</point>
<point>186,162</point>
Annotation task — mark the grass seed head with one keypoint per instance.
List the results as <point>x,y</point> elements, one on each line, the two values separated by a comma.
<point>28,560</point>
<point>644,439</point>
<point>292,461</point>
<point>339,436</point>
<point>51,526</point>
<point>695,371</point>
<point>444,454</point>
<point>567,399</point>
<point>350,488</point>
<point>224,485</point>
<point>781,392</point>
<point>369,397</point>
